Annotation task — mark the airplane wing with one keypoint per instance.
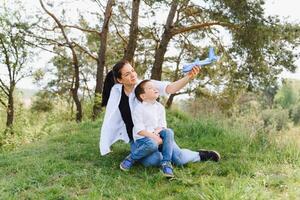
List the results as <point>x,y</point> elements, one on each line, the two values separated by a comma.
<point>211,58</point>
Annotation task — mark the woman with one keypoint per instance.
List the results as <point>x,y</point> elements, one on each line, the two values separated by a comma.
<point>119,99</point>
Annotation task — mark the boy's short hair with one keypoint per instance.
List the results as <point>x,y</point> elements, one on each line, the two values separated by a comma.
<point>139,89</point>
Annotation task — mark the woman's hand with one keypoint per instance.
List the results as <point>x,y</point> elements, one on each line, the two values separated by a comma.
<point>174,87</point>
<point>193,73</point>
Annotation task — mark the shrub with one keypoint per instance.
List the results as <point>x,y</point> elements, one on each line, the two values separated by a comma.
<point>275,119</point>
<point>43,102</point>
<point>286,96</point>
<point>295,114</point>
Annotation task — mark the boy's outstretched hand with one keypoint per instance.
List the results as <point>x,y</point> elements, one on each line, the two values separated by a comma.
<point>193,73</point>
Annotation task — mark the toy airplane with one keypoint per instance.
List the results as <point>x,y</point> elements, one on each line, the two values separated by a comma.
<point>211,58</point>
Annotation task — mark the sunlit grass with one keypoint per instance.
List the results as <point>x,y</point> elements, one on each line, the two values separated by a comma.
<point>67,165</point>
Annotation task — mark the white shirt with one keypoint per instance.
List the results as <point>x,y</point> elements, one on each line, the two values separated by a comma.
<point>148,116</point>
<point>113,127</point>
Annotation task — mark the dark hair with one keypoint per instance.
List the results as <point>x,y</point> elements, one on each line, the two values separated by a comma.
<point>111,79</point>
<point>140,89</point>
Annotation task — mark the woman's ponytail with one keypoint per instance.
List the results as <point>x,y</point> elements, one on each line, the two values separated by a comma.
<point>108,84</point>
<point>110,80</point>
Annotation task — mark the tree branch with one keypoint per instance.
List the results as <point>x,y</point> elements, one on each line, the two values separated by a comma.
<point>3,103</point>
<point>85,51</point>
<point>7,61</point>
<point>82,29</point>
<point>119,34</point>
<point>4,88</point>
<point>58,23</point>
<point>43,48</point>
<point>176,31</point>
<point>47,39</point>
<point>23,76</point>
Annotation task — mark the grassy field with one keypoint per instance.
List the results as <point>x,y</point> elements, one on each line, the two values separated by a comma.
<point>67,165</point>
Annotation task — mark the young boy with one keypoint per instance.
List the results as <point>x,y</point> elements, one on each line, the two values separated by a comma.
<point>150,127</point>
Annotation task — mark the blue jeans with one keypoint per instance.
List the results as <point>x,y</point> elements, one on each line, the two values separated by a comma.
<point>167,137</point>
<point>179,156</point>
<point>143,147</point>
<point>146,146</point>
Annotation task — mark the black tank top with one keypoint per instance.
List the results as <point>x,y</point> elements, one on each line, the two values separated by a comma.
<point>126,113</point>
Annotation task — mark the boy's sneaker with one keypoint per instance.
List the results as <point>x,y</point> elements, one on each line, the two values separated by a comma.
<point>126,164</point>
<point>167,169</point>
<point>206,155</point>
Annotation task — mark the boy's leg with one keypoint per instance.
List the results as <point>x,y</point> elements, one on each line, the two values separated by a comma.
<point>140,149</point>
<point>167,136</point>
<point>153,159</point>
<point>144,147</point>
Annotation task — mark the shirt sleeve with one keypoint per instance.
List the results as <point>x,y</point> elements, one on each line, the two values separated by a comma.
<point>162,120</point>
<point>161,86</point>
<point>137,118</point>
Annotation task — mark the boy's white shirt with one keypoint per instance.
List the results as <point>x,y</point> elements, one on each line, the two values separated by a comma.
<point>113,127</point>
<point>148,116</point>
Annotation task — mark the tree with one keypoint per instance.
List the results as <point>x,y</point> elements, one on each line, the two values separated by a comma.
<point>101,58</point>
<point>14,55</point>
<point>75,63</point>
<point>260,47</point>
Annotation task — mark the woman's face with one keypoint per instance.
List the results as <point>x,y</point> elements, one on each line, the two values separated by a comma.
<point>128,75</point>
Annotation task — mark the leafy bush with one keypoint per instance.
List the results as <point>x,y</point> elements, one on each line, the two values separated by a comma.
<point>275,119</point>
<point>295,114</point>
<point>43,102</point>
<point>286,96</point>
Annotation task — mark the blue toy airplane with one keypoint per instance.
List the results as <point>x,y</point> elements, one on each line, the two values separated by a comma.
<point>211,58</point>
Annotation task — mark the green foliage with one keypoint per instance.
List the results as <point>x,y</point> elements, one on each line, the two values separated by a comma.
<point>276,119</point>
<point>286,96</point>
<point>296,114</point>
<point>43,102</point>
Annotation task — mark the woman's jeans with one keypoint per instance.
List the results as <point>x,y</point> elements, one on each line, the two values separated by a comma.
<point>150,156</point>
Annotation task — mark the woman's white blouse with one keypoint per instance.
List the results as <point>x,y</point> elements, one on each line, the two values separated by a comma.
<point>113,127</point>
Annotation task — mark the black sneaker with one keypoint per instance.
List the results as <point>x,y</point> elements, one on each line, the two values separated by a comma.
<point>206,155</point>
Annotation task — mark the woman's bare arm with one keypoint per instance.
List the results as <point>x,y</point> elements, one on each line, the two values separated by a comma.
<point>179,84</point>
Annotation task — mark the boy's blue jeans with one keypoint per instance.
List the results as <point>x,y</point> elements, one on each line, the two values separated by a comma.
<point>152,157</point>
<point>144,147</point>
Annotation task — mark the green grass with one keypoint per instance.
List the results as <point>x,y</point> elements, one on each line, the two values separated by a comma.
<point>67,165</point>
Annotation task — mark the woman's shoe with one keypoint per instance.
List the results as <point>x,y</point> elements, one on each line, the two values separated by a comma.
<point>206,155</point>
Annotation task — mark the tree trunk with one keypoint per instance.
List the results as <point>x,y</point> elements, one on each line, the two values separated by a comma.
<point>162,48</point>
<point>171,97</point>
<point>10,109</point>
<point>101,59</point>
<point>170,101</point>
<point>131,46</point>
<point>76,87</point>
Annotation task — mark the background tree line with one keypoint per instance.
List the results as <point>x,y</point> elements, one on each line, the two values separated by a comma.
<point>156,36</point>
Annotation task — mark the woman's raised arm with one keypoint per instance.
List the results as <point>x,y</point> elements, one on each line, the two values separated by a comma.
<point>179,84</point>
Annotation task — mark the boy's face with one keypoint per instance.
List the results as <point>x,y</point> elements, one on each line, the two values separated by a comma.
<point>151,92</point>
